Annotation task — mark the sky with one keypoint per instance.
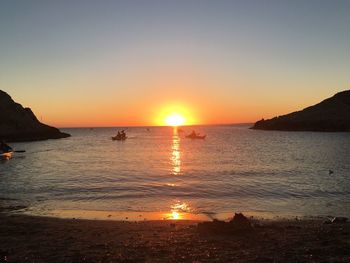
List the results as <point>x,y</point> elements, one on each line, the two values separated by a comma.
<point>113,63</point>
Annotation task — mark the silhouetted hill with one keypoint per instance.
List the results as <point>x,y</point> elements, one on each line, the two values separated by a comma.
<point>332,114</point>
<point>20,124</point>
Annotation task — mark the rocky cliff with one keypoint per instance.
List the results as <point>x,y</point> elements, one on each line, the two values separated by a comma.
<point>332,114</point>
<point>20,124</point>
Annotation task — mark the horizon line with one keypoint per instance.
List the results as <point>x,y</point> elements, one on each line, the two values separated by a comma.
<point>146,126</point>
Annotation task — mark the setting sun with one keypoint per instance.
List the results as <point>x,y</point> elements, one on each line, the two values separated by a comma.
<point>175,120</point>
<point>175,114</point>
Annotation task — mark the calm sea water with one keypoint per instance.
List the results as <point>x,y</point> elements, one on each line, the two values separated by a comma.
<point>233,169</point>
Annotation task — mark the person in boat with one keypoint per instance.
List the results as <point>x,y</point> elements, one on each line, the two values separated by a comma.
<point>194,134</point>
<point>123,134</point>
<point>4,148</point>
<point>119,134</point>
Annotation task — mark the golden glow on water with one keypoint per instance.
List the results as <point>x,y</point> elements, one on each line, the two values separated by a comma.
<point>178,211</point>
<point>175,215</point>
<point>176,154</point>
<point>184,207</point>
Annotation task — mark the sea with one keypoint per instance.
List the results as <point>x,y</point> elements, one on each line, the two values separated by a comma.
<point>158,173</point>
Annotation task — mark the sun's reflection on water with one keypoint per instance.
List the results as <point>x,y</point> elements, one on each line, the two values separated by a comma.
<point>175,153</point>
<point>178,211</point>
<point>175,215</point>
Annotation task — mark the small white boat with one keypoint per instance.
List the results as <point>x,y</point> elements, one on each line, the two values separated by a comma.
<point>6,155</point>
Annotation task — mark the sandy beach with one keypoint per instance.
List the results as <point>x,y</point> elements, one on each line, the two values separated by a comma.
<point>42,239</point>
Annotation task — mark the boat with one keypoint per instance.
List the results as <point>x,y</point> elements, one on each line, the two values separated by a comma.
<point>196,136</point>
<point>6,155</point>
<point>119,138</point>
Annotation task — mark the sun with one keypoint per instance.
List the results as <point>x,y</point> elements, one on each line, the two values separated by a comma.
<point>174,115</point>
<point>175,119</point>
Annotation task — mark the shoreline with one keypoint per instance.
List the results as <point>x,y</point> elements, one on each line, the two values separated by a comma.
<point>47,239</point>
<point>17,207</point>
<point>109,215</point>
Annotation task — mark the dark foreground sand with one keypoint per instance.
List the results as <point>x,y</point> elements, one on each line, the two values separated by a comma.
<point>38,239</point>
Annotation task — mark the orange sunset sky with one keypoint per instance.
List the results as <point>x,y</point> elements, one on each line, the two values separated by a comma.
<point>123,63</point>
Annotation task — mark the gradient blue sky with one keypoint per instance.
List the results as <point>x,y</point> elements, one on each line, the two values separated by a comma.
<point>102,63</point>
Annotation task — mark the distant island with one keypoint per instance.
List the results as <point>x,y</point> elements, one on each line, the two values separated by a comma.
<point>20,124</point>
<point>330,115</point>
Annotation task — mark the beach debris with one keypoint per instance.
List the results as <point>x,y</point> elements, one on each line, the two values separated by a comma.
<point>239,224</point>
<point>339,219</point>
<point>330,172</point>
<point>241,221</point>
<point>336,220</point>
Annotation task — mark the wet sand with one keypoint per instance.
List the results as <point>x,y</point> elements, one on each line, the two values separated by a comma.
<point>41,239</point>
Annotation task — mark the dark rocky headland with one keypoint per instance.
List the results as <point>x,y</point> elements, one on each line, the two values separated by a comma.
<point>20,124</point>
<point>330,115</point>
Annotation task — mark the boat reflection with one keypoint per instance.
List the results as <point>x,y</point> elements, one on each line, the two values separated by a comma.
<point>176,154</point>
